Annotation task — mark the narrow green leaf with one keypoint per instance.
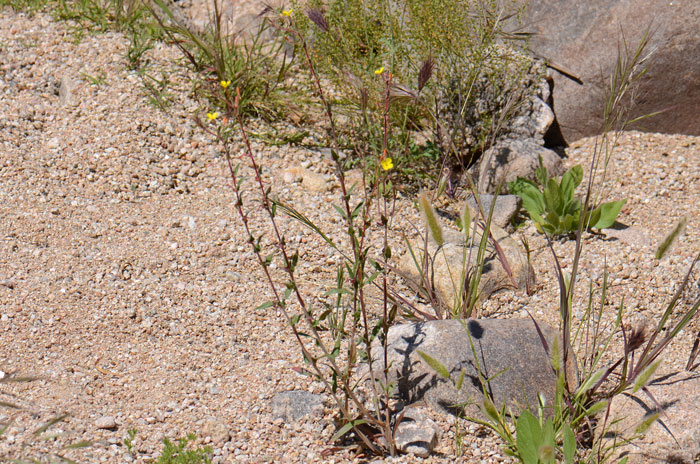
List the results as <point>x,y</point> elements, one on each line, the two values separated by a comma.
<point>346,428</point>
<point>341,212</point>
<point>9,405</point>
<point>596,408</point>
<point>430,218</point>
<point>80,444</point>
<point>645,376</point>
<point>435,364</point>
<point>265,305</point>
<point>670,238</point>
<point>646,423</point>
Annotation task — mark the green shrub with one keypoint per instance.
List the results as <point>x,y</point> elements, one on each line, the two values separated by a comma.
<point>555,209</point>
<point>478,84</point>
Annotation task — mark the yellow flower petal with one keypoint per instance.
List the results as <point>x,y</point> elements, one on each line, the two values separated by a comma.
<point>225,84</point>
<point>212,116</point>
<point>379,71</point>
<point>387,163</point>
<point>287,12</point>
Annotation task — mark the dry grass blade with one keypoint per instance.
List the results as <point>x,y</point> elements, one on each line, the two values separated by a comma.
<point>51,423</point>
<point>690,366</point>
<point>9,405</point>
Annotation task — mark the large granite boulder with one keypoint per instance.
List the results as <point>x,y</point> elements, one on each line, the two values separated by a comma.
<point>583,37</point>
<point>514,366</point>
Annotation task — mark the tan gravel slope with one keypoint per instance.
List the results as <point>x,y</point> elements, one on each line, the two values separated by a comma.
<point>126,286</point>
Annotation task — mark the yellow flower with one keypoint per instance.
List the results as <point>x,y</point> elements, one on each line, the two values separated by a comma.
<point>287,12</point>
<point>225,84</point>
<point>212,116</point>
<point>379,71</point>
<point>387,164</point>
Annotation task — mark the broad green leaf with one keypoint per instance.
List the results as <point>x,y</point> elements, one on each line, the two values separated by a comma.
<point>528,438</point>
<point>569,444</point>
<point>591,218</point>
<point>435,364</point>
<point>517,186</point>
<point>545,453</point>
<point>569,223</point>
<point>608,214</point>
<point>551,195</point>
<point>548,434</point>
<point>532,198</point>
<point>570,180</point>
<point>573,207</point>
<point>553,219</point>
<point>644,377</point>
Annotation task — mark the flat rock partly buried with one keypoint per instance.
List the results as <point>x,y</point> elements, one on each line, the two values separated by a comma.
<point>509,352</point>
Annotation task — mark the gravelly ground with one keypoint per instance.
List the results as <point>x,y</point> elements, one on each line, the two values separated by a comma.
<point>127,289</point>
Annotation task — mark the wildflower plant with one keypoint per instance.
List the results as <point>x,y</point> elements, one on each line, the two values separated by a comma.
<point>219,58</point>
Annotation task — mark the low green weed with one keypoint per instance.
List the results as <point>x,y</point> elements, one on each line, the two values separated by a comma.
<point>177,453</point>
<point>555,209</point>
